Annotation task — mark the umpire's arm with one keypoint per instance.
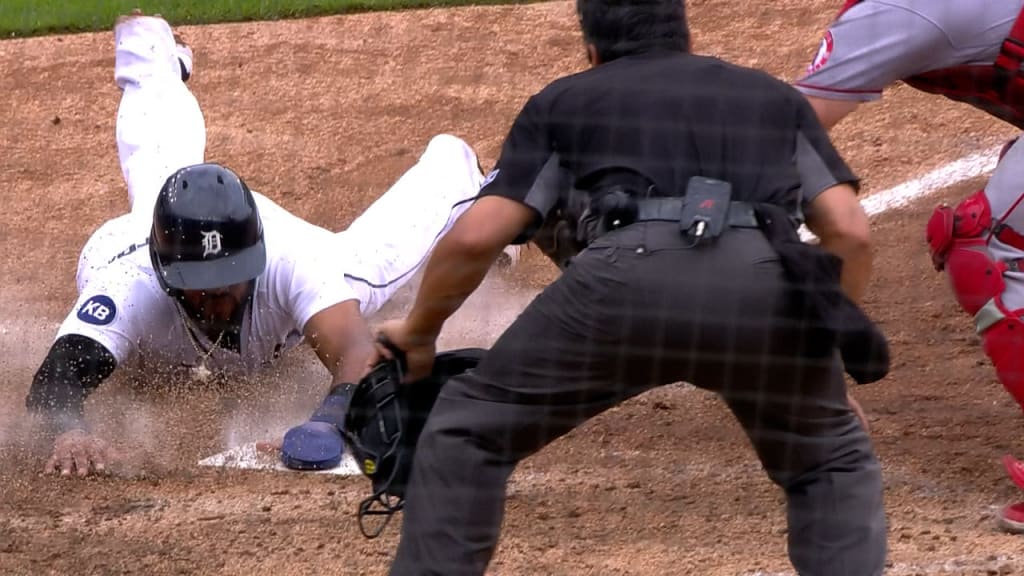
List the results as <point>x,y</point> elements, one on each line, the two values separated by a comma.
<point>831,207</point>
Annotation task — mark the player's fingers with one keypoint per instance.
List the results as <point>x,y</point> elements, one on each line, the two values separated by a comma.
<point>382,352</point>
<point>81,458</point>
<point>51,465</point>
<point>67,464</point>
<point>385,338</point>
<point>114,454</point>
<point>269,446</point>
<point>99,455</point>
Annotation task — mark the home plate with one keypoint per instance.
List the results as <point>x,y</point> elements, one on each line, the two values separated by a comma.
<point>246,456</point>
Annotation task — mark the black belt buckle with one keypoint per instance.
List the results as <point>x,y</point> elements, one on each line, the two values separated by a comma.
<point>705,211</point>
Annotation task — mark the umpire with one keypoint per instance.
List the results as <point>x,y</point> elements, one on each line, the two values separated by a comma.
<point>663,290</point>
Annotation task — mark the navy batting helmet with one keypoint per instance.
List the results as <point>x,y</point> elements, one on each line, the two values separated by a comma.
<point>207,231</point>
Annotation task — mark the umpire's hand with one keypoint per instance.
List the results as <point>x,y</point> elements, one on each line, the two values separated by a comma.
<point>861,415</point>
<point>419,350</point>
<point>76,452</point>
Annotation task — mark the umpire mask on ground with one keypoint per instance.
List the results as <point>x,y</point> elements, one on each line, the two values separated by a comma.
<point>384,422</point>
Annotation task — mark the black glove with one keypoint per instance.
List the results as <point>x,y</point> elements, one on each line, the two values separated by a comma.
<point>384,422</point>
<point>818,296</point>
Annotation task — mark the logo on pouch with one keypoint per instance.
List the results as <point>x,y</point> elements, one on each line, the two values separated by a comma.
<point>211,243</point>
<point>98,310</point>
<point>824,51</point>
<point>490,177</point>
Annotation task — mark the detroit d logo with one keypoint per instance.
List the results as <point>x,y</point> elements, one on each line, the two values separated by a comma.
<point>211,243</point>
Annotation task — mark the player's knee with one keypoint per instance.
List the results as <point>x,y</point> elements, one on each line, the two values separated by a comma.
<point>1004,344</point>
<point>451,148</point>
<point>447,142</point>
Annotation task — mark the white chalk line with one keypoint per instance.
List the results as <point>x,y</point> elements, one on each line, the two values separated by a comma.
<point>941,178</point>
<point>972,166</point>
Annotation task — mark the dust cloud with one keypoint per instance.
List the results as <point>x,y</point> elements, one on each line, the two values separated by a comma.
<point>159,422</point>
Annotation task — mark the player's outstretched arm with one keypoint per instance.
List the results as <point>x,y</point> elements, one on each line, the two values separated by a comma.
<point>342,340</point>
<point>74,367</point>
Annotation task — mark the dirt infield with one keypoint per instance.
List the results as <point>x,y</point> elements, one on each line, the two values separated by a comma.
<point>323,115</point>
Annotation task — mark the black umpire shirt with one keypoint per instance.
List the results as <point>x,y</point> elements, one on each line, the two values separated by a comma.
<point>668,115</point>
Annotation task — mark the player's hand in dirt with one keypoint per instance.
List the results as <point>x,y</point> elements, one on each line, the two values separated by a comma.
<point>859,411</point>
<point>419,350</point>
<point>270,447</point>
<point>75,452</point>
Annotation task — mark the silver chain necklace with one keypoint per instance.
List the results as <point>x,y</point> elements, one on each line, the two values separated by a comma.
<point>199,372</point>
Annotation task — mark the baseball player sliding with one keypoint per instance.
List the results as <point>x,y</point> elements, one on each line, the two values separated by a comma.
<point>970,52</point>
<point>205,275</point>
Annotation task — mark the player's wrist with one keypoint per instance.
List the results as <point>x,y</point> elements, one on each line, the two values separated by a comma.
<point>335,405</point>
<point>62,421</point>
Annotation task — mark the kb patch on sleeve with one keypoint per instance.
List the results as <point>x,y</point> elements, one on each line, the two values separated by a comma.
<point>98,310</point>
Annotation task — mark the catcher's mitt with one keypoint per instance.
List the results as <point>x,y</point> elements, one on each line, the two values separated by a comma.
<point>384,422</point>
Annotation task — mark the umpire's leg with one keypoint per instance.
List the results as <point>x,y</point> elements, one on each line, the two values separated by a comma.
<point>620,320</point>
<point>813,446</point>
<point>547,373</point>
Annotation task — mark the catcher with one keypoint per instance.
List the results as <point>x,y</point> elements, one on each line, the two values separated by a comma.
<point>204,274</point>
<point>970,52</point>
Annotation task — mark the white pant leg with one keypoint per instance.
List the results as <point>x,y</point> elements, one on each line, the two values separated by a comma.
<point>393,238</point>
<point>160,127</point>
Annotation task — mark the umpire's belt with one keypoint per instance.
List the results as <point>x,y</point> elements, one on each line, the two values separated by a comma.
<point>741,214</point>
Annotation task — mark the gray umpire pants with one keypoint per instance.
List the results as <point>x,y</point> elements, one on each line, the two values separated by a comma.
<point>635,311</point>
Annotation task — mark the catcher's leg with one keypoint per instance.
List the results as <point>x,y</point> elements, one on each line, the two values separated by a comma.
<point>1004,345</point>
<point>1004,339</point>
<point>389,242</point>
<point>160,127</point>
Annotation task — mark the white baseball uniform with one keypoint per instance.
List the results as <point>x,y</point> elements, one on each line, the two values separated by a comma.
<point>160,129</point>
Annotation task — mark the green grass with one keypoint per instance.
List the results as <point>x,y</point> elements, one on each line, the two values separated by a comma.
<point>38,17</point>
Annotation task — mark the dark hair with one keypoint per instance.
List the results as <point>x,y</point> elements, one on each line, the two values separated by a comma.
<point>619,28</point>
